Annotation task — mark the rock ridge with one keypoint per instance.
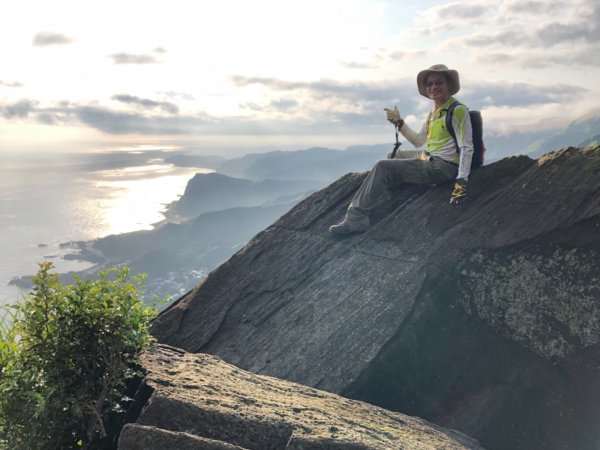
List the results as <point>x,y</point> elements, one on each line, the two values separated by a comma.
<point>483,318</point>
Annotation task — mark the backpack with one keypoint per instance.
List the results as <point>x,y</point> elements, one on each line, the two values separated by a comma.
<point>477,127</point>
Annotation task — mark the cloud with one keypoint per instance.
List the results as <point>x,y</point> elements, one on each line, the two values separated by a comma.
<point>557,33</point>
<point>586,29</point>
<point>13,84</point>
<point>321,107</point>
<point>100,118</point>
<point>46,38</point>
<point>525,34</point>
<point>399,55</point>
<point>143,58</point>
<point>460,11</point>
<point>377,92</point>
<point>129,58</point>
<point>499,58</point>
<point>119,123</point>
<point>47,118</point>
<point>253,106</point>
<point>506,94</point>
<point>514,26</point>
<point>20,109</point>
<point>533,7</point>
<point>147,103</point>
<point>177,95</point>
<point>331,89</point>
<point>113,122</point>
<point>357,65</point>
<point>584,56</point>
<point>284,105</point>
<point>510,37</point>
<point>287,106</point>
<point>353,106</point>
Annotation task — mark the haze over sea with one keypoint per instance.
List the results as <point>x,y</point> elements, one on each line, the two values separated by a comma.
<point>48,200</point>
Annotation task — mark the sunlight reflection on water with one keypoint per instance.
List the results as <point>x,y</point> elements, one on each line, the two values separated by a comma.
<point>136,197</point>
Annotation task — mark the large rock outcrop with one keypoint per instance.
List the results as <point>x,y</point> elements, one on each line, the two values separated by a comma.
<point>196,401</point>
<point>483,317</point>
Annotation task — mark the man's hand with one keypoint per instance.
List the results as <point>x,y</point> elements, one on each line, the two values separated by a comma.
<point>393,115</point>
<point>459,193</point>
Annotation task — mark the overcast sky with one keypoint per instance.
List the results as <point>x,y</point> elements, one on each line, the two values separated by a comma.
<point>239,75</point>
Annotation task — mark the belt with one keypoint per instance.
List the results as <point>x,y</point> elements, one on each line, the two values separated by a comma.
<point>431,158</point>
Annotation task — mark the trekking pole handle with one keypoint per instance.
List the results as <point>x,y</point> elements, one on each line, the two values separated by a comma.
<point>396,146</point>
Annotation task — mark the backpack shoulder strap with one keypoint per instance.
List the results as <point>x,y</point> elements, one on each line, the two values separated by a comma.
<point>449,127</point>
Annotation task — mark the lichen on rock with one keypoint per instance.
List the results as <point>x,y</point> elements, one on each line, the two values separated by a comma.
<point>547,300</point>
<point>198,401</point>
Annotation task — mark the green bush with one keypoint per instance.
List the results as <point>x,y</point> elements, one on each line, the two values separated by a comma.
<point>65,353</point>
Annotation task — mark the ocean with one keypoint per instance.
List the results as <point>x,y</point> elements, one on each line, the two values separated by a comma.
<point>53,199</point>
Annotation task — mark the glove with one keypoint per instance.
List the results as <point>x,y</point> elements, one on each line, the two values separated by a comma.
<point>459,193</point>
<point>393,115</point>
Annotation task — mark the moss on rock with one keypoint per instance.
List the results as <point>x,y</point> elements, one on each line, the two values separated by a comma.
<point>547,300</point>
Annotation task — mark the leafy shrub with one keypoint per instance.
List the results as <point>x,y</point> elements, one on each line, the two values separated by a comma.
<point>65,353</point>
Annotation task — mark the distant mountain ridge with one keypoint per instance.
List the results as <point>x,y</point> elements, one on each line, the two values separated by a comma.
<point>326,164</point>
<point>190,242</point>
<point>215,191</point>
<point>176,255</point>
<point>580,132</point>
<point>590,141</point>
<point>320,164</point>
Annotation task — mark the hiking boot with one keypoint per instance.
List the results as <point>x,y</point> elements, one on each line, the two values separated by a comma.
<point>347,226</point>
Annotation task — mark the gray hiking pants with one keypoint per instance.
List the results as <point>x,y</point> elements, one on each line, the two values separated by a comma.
<point>389,172</point>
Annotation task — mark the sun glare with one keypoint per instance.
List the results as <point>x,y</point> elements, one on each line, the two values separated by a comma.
<point>137,201</point>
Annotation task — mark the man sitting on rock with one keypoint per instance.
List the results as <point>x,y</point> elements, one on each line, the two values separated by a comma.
<point>439,163</point>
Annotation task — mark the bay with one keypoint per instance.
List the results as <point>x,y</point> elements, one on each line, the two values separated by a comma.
<point>52,199</point>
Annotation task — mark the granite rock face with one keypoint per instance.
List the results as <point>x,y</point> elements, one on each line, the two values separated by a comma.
<point>483,317</point>
<point>198,402</point>
<point>143,437</point>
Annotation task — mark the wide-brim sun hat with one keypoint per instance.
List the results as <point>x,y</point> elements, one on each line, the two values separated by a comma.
<point>438,68</point>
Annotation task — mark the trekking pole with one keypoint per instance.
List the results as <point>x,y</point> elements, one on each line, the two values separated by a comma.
<point>396,146</point>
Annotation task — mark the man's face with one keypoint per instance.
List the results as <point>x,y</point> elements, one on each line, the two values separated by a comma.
<point>437,87</point>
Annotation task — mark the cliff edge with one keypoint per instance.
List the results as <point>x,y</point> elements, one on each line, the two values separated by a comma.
<point>483,318</point>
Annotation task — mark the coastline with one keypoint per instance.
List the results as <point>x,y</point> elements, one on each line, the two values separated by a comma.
<point>87,254</point>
